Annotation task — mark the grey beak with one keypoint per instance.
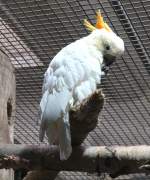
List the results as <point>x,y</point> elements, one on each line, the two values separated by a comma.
<point>108,60</point>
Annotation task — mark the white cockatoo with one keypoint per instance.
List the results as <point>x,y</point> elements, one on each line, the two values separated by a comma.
<point>71,77</point>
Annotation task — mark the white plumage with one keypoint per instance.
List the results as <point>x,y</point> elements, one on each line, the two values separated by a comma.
<point>70,78</point>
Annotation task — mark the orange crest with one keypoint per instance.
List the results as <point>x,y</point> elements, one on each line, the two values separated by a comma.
<point>99,23</point>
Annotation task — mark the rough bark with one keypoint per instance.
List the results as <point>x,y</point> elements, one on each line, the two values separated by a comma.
<point>84,118</point>
<point>7,104</point>
<point>41,175</point>
<point>115,161</point>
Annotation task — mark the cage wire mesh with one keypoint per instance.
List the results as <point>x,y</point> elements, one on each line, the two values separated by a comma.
<point>33,31</point>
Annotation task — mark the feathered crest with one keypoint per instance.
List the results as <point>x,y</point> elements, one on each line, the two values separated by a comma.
<point>99,23</point>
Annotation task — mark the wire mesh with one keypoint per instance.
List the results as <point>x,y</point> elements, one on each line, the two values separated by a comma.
<point>33,31</point>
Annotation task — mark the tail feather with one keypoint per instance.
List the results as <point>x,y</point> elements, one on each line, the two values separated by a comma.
<point>52,133</point>
<point>43,105</point>
<point>55,120</point>
<point>42,130</point>
<point>64,137</point>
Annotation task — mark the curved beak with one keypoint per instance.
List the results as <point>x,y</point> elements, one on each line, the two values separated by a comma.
<point>108,60</point>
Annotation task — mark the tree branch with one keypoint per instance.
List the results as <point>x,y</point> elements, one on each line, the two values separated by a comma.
<point>84,118</point>
<point>40,175</point>
<point>112,160</point>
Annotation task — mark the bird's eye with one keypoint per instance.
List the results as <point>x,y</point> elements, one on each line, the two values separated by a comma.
<point>107,47</point>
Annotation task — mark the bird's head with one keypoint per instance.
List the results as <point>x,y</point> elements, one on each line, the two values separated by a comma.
<point>106,41</point>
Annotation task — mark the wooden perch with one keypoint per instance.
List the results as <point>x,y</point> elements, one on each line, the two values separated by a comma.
<point>84,118</point>
<point>112,160</point>
<point>40,175</point>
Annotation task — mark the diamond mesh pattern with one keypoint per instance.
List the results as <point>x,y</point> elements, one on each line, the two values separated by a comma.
<point>33,31</point>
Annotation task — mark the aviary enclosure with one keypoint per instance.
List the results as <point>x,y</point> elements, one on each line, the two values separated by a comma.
<point>32,32</point>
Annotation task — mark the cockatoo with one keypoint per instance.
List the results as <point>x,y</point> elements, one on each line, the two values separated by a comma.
<point>72,76</point>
